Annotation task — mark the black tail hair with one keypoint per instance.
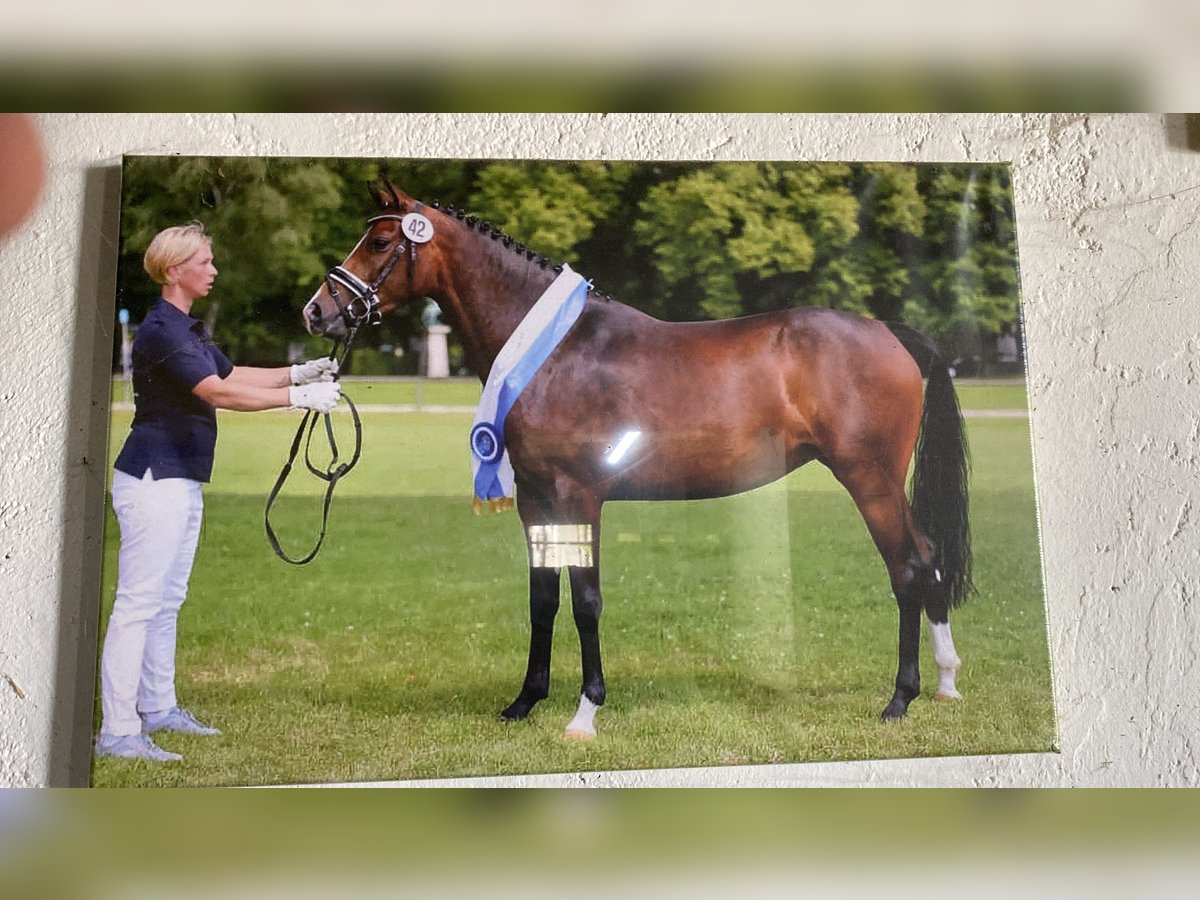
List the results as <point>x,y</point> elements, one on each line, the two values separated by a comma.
<point>939,488</point>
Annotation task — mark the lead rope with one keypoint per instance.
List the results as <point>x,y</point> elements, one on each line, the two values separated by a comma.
<point>331,474</point>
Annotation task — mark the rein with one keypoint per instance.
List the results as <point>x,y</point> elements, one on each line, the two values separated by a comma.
<point>331,474</point>
<point>362,308</point>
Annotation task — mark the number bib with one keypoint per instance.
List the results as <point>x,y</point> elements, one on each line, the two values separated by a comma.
<point>416,228</point>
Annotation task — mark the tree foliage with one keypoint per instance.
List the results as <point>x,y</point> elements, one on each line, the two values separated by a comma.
<point>931,245</point>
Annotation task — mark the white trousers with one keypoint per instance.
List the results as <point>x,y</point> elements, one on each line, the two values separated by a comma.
<point>160,527</point>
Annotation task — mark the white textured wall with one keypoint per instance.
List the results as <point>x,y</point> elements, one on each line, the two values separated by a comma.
<point>1108,210</point>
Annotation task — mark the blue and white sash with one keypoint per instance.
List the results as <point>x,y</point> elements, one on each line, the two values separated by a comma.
<point>523,353</point>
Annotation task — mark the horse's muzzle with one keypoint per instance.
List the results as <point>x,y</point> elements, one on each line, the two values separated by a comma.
<point>316,323</point>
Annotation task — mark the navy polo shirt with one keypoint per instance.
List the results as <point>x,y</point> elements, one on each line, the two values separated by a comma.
<point>174,431</point>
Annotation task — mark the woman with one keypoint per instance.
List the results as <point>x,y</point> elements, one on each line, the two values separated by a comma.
<point>180,379</point>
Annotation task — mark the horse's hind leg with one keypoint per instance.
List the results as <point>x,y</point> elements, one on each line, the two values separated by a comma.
<point>543,607</point>
<point>879,496</point>
<point>944,653</point>
<point>908,673</point>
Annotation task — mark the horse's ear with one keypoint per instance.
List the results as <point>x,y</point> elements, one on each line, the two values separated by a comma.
<point>395,194</point>
<point>380,194</point>
<point>387,195</point>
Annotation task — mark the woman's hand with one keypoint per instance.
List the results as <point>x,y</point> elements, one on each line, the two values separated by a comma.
<point>315,370</point>
<point>322,396</point>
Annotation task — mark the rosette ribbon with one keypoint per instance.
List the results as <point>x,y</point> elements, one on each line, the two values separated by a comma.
<point>530,345</point>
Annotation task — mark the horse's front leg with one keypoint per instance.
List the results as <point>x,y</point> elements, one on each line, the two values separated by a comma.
<point>543,607</point>
<point>586,605</point>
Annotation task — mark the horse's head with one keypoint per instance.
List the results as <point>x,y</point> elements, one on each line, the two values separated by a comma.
<point>379,273</point>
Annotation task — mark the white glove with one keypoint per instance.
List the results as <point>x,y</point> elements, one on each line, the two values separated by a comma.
<point>323,369</point>
<point>322,396</point>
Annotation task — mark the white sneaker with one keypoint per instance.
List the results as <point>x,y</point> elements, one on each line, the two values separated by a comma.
<point>133,746</point>
<point>175,719</point>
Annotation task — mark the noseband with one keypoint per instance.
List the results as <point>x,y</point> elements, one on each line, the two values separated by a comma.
<point>363,306</point>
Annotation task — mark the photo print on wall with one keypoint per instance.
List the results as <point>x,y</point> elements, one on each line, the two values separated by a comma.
<point>600,466</point>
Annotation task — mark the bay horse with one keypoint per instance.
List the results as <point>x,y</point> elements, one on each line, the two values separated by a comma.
<point>721,406</point>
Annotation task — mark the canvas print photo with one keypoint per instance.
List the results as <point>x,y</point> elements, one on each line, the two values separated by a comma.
<point>443,468</point>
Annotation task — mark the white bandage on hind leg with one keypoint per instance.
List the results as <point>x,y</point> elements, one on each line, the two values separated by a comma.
<point>554,546</point>
<point>947,660</point>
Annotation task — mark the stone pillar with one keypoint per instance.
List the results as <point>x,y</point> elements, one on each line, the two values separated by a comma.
<point>435,357</point>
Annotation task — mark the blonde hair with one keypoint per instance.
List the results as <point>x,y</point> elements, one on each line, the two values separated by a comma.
<point>173,246</point>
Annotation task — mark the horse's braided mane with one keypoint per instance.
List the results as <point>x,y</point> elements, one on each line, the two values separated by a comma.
<point>488,230</point>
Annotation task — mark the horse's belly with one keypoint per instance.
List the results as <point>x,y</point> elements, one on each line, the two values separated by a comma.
<point>699,469</point>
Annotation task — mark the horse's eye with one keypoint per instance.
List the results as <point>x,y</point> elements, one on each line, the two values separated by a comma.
<point>379,244</point>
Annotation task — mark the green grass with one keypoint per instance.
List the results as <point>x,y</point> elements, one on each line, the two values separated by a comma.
<point>754,629</point>
<point>415,391</point>
<point>997,394</point>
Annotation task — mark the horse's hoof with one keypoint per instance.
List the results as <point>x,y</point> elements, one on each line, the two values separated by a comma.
<point>895,712</point>
<point>580,734</point>
<point>515,712</point>
<point>947,696</point>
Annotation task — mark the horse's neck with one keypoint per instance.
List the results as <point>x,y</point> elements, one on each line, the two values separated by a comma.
<point>490,291</point>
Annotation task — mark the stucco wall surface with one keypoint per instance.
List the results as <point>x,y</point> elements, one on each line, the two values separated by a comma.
<point>1107,208</point>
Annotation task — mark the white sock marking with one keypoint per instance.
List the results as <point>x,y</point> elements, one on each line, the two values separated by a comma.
<point>946,658</point>
<point>583,723</point>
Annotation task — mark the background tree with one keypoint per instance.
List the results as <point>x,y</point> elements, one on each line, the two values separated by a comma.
<point>967,286</point>
<point>270,221</point>
<point>552,208</point>
<point>931,245</point>
<point>727,240</point>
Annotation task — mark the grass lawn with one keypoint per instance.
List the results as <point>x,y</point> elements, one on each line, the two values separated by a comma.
<point>992,394</point>
<point>754,629</point>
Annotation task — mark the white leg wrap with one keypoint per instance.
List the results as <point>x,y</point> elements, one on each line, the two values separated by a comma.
<point>554,546</point>
<point>583,726</point>
<point>947,660</point>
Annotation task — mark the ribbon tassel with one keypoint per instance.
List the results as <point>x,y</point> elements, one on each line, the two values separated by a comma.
<point>495,505</point>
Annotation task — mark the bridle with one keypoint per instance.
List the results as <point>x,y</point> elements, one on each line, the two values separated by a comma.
<point>363,306</point>
<point>361,309</point>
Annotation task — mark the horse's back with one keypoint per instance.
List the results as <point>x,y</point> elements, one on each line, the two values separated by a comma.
<point>814,336</point>
<point>832,369</point>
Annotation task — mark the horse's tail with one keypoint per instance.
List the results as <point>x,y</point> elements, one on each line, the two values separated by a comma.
<point>941,471</point>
